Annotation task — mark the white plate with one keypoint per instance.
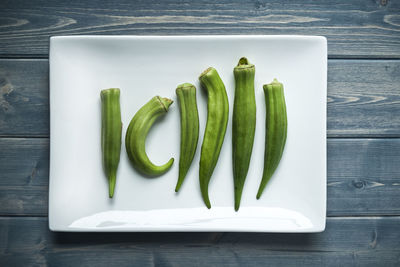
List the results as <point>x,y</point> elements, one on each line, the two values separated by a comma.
<point>145,66</point>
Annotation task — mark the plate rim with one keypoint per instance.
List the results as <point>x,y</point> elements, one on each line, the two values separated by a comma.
<point>319,38</point>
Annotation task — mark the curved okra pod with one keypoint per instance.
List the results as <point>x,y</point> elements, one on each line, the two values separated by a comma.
<point>276,130</point>
<point>189,128</point>
<point>243,124</point>
<point>137,132</point>
<point>111,128</point>
<point>217,120</point>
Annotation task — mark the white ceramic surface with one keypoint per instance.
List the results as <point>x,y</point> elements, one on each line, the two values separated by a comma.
<point>142,67</point>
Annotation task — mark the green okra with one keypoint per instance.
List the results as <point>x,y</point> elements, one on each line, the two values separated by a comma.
<point>243,124</point>
<point>217,120</point>
<point>276,130</point>
<point>111,128</point>
<point>189,128</point>
<point>136,134</point>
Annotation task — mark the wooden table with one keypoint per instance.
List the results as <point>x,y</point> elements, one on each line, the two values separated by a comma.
<point>363,224</point>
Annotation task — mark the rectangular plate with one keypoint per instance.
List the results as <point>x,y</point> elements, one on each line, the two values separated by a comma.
<point>145,66</point>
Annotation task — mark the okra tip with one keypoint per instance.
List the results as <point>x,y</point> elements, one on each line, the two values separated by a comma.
<point>177,187</point>
<point>262,186</point>
<point>111,183</point>
<point>206,198</point>
<point>180,181</point>
<point>237,205</point>
<point>259,193</point>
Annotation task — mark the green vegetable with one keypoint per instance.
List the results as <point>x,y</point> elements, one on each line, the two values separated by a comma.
<point>136,134</point>
<point>217,120</point>
<point>243,124</point>
<point>276,130</point>
<point>111,128</point>
<point>189,128</point>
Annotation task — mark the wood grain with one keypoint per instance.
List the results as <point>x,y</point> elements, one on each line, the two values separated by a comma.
<point>24,97</point>
<point>198,256</point>
<point>363,101</point>
<point>354,28</point>
<point>363,98</point>
<point>24,176</point>
<point>372,241</point>
<point>363,176</point>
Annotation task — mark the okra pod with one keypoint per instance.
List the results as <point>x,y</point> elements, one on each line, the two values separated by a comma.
<point>243,124</point>
<point>276,130</point>
<point>217,120</point>
<point>136,134</point>
<point>111,128</point>
<point>189,128</point>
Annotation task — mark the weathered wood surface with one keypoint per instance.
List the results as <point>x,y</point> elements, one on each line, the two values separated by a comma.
<point>370,241</point>
<point>24,176</point>
<point>24,97</point>
<point>363,98</point>
<point>363,176</point>
<point>363,101</point>
<point>354,28</point>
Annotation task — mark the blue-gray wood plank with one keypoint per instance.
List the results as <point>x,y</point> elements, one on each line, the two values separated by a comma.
<point>355,28</point>
<point>363,98</point>
<point>24,97</point>
<point>363,102</point>
<point>367,241</point>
